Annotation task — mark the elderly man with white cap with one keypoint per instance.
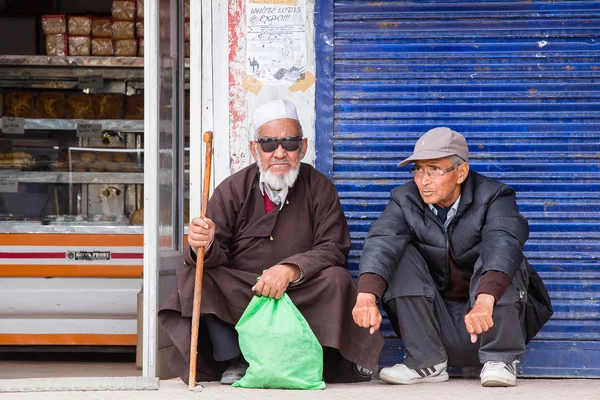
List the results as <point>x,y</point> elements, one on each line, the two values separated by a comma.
<point>280,220</point>
<point>445,258</point>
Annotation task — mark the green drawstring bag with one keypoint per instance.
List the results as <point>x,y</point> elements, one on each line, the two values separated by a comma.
<point>278,344</point>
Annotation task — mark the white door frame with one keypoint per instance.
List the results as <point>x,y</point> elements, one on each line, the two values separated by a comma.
<point>151,132</point>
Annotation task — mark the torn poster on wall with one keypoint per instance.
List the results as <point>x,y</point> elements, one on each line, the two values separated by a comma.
<point>276,40</point>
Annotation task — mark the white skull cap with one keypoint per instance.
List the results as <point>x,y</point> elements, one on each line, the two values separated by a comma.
<point>273,110</point>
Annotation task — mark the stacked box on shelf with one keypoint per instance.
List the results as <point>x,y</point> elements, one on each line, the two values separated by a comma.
<point>187,28</point>
<point>55,28</point>
<point>123,28</point>
<point>139,27</point>
<point>102,42</point>
<point>80,39</point>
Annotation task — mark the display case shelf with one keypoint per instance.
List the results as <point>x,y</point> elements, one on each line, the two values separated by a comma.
<point>44,72</point>
<point>72,177</point>
<point>70,61</point>
<point>120,125</point>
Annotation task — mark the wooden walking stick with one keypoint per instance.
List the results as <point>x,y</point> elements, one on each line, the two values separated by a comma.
<point>207,138</point>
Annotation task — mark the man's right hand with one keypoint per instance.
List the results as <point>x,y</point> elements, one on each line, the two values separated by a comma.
<point>201,232</point>
<point>365,312</point>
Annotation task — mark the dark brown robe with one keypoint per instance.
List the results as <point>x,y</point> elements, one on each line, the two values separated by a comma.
<point>310,231</point>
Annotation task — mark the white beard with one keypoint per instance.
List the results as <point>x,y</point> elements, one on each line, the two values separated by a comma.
<point>275,182</point>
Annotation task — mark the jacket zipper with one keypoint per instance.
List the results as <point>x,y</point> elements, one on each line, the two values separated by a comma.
<point>447,257</point>
<point>447,242</point>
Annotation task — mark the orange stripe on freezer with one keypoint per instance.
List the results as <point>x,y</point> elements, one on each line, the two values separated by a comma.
<point>51,239</point>
<point>89,339</point>
<point>71,271</point>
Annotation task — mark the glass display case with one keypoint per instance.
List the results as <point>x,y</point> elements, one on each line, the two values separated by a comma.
<point>71,143</point>
<point>71,199</point>
<point>50,177</point>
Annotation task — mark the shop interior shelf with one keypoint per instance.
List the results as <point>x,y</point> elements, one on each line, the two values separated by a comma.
<point>71,124</point>
<point>44,72</point>
<point>120,125</point>
<point>71,61</point>
<point>72,177</point>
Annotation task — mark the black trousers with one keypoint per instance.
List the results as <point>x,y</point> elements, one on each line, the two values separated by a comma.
<point>433,329</point>
<point>223,336</point>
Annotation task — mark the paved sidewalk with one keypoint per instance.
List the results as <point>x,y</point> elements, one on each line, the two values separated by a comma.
<point>455,389</point>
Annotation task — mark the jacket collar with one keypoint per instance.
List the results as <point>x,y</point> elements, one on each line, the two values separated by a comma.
<point>466,194</point>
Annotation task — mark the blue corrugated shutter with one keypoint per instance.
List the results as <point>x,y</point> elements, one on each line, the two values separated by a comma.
<point>521,81</point>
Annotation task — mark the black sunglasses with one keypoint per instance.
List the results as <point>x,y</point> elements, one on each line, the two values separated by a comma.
<point>269,145</point>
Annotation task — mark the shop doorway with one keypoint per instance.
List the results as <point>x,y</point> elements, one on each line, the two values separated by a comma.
<point>73,219</point>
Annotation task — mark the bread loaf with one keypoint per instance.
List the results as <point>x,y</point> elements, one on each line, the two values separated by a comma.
<point>105,156</point>
<point>141,47</point>
<point>102,28</point>
<point>96,167</point>
<point>54,24</point>
<point>88,156</point>
<point>112,167</point>
<point>140,10</point>
<point>124,10</point>
<point>121,157</point>
<point>186,30</point>
<point>63,155</point>
<point>50,105</point>
<point>134,107</point>
<point>102,47</point>
<point>139,29</point>
<point>19,104</point>
<point>80,106</point>
<point>81,26</point>
<point>126,48</point>
<point>80,45</point>
<point>60,166</point>
<point>16,160</point>
<point>123,30</point>
<point>129,167</point>
<point>56,45</point>
<point>16,155</point>
<point>138,217</point>
<point>109,105</point>
<point>79,166</point>
<point>187,49</point>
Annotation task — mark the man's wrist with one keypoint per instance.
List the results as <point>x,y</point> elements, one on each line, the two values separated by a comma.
<point>367,296</point>
<point>294,272</point>
<point>485,298</point>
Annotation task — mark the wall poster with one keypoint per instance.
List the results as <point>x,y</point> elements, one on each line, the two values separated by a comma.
<point>276,40</point>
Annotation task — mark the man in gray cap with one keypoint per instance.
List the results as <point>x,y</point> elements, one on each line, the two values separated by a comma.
<point>445,258</point>
<point>281,220</point>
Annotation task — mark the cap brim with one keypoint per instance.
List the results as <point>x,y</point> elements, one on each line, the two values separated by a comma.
<point>425,155</point>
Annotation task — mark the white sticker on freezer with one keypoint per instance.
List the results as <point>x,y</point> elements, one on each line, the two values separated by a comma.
<point>13,125</point>
<point>9,187</point>
<point>88,130</point>
<point>91,82</point>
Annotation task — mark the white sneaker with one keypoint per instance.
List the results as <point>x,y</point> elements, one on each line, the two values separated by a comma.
<point>499,374</point>
<point>402,375</point>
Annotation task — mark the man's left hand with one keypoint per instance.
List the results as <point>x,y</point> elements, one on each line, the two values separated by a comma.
<point>274,282</point>
<point>479,319</point>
